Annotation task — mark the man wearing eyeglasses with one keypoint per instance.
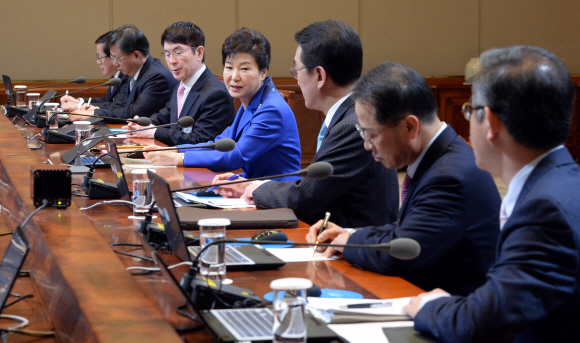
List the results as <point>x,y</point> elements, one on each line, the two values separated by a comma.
<point>520,115</point>
<point>150,83</point>
<point>449,205</point>
<point>200,95</point>
<point>115,94</point>
<point>360,192</point>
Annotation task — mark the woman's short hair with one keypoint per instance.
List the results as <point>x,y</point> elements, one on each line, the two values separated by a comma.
<point>247,41</point>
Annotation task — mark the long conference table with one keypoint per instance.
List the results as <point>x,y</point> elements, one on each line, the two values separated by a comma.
<point>81,287</point>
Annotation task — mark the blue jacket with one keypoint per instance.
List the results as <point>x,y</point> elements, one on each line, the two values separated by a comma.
<point>532,292</point>
<point>452,210</point>
<point>266,137</point>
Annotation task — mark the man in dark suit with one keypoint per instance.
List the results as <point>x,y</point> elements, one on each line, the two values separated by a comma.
<point>115,94</point>
<point>520,116</point>
<point>360,192</point>
<point>200,95</point>
<point>150,83</point>
<point>448,205</point>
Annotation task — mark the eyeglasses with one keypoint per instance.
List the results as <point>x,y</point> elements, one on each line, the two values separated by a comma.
<point>175,53</point>
<point>364,135</point>
<point>100,59</point>
<point>468,108</point>
<point>118,60</point>
<point>295,71</point>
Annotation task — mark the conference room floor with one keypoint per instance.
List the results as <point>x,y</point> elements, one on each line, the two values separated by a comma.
<point>500,185</point>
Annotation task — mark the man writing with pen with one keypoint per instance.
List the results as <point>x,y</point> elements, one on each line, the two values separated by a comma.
<point>448,205</point>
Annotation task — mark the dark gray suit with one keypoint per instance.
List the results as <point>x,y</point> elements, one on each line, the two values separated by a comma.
<point>360,192</point>
<point>115,96</point>
<point>208,103</point>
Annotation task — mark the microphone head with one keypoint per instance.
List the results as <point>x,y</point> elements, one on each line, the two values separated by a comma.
<point>80,80</point>
<point>185,122</point>
<point>143,121</point>
<point>404,248</point>
<point>114,82</point>
<point>319,170</point>
<point>225,145</point>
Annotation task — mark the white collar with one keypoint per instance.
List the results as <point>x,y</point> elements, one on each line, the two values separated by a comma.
<point>137,73</point>
<point>192,80</point>
<point>333,110</point>
<point>412,168</point>
<point>117,74</point>
<point>518,181</point>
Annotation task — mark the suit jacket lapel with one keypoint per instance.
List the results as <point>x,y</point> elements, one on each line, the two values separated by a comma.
<point>340,113</point>
<point>194,93</point>
<point>253,106</point>
<point>132,94</point>
<point>435,151</point>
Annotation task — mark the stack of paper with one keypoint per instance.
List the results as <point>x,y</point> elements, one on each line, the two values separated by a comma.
<point>230,203</point>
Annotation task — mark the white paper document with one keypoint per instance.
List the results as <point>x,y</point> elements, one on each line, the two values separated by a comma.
<point>395,307</point>
<point>298,255</point>
<point>231,203</point>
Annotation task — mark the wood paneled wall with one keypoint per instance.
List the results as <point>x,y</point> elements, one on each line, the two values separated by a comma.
<point>46,40</point>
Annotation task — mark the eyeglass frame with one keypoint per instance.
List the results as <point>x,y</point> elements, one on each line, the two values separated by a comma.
<point>467,108</point>
<point>175,53</point>
<point>364,135</point>
<point>118,61</point>
<point>294,72</point>
<point>100,59</point>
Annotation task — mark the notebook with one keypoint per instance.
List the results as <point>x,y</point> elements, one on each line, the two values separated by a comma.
<point>247,324</point>
<point>11,263</point>
<point>242,257</point>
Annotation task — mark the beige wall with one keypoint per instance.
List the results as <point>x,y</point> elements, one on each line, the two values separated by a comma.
<point>54,39</point>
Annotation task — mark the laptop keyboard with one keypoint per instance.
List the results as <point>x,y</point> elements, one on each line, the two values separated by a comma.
<point>253,324</point>
<point>89,160</point>
<point>233,255</point>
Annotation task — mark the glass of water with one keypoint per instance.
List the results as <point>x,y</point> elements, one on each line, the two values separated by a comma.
<point>212,261</point>
<point>51,116</point>
<point>289,308</point>
<point>142,195</point>
<point>82,131</point>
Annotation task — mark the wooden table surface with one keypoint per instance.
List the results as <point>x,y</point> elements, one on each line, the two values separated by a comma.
<point>82,287</point>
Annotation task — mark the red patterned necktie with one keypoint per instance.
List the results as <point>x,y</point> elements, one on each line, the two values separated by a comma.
<point>405,188</point>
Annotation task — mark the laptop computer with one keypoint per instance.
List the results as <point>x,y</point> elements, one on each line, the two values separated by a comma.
<point>11,263</point>
<point>69,156</point>
<point>238,257</point>
<point>243,324</point>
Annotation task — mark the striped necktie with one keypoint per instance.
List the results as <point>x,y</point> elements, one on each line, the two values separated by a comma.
<point>405,188</point>
<point>321,135</point>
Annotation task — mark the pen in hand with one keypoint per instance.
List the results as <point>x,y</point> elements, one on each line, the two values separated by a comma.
<point>322,228</point>
<point>231,178</point>
<point>369,305</point>
<point>89,104</point>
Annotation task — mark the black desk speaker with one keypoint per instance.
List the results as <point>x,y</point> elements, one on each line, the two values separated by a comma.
<point>52,183</point>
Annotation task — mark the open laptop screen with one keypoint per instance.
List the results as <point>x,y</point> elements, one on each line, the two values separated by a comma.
<point>11,263</point>
<point>162,194</point>
<point>115,162</point>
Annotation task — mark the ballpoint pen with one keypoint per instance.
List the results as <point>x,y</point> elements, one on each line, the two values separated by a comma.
<point>322,228</point>
<point>89,103</point>
<point>231,178</point>
<point>369,305</point>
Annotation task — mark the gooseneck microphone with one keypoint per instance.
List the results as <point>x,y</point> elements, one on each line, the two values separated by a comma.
<point>183,122</point>
<point>78,80</point>
<point>141,121</point>
<point>318,170</point>
<point>399,248</point>
<point>112,82</point>
<point>221,145</point>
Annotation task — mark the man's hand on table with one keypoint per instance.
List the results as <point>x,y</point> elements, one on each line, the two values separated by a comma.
<point>141,134</point>
<point>73,117</point>
<point>415,304</point>
<point>163,158</point>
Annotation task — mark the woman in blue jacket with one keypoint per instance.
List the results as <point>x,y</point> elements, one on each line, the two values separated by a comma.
<point>264,129</point>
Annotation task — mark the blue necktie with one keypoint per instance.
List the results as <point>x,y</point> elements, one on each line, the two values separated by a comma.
<point>321,135</point>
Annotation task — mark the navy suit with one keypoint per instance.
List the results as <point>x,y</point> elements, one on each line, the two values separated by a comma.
<point>149,95</point>
<point>532,293</point>
<point>115,97</point>
<point>452,210</point>
<point>208,103</point>
<point>266,137</point>
<point>360,192</point>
